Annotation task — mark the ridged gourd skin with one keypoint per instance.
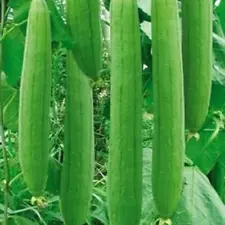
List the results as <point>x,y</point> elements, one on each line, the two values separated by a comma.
<point>124,186</point>
<point>197,60</point>
<point>78,164</point>
<point>168,141</point>
<point>35,97</point>
<point>84,23</point>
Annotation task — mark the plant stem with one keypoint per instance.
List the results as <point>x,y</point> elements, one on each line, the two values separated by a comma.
<point>6,165</point>
<point>4,34</point>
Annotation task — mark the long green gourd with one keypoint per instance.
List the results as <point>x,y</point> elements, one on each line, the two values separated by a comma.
<point>78,164</point>
<point>197,60</point>
<point>83,19</point>
<point>124,186</point>
<point>168,142</point>
<point>35,95</point>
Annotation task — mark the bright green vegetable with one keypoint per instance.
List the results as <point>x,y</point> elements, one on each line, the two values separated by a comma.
<point>35,93</point>
<point>168,143</point>
<point>83,18</point>
<point>125,159</point>
<point>197,60</point>
<point>78,165</point>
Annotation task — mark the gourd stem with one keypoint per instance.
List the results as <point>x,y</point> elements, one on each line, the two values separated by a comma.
<point>6,166</point>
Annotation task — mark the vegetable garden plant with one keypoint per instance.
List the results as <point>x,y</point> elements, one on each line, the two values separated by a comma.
<point>112,112</point>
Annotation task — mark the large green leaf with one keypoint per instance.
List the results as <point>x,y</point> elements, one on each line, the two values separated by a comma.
<point>59,30</point>
<point>205,152</point>
<point>217,177</point>
<point>199,202</point>
<point>19,220</point>
<point>13,47</point>
<point>218,51</point>
<point>20,9</point>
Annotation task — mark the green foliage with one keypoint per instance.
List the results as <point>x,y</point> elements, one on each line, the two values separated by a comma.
<point>59,30</point>
<point>10,113</point>
<point>18,220</point>
<point>220,11</point>
<point>217,177</point>
<point>199,202</point>
<point>13,47</point>
<point>218,50</point>
<point>217,102</point>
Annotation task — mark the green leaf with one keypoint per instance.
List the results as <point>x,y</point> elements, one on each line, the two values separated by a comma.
<point>20,9</point>
<point>19,220</point>
<point>218,48</point>
<point>217,177</point>
<point>59,30</point>
<point>100,208</point>
<point>145,6</point>
<point>148,207</point>
<point>220,11</point>
<point>13,48</point>
<point>199,202</point>
<point>206,155</point>
<point>147,90</point>
<point>7,92</point>
<point>11,113</point>
<point>106,4</point>
<point>217,101</point>
<point>218,51</point>
<point>146,46</point>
